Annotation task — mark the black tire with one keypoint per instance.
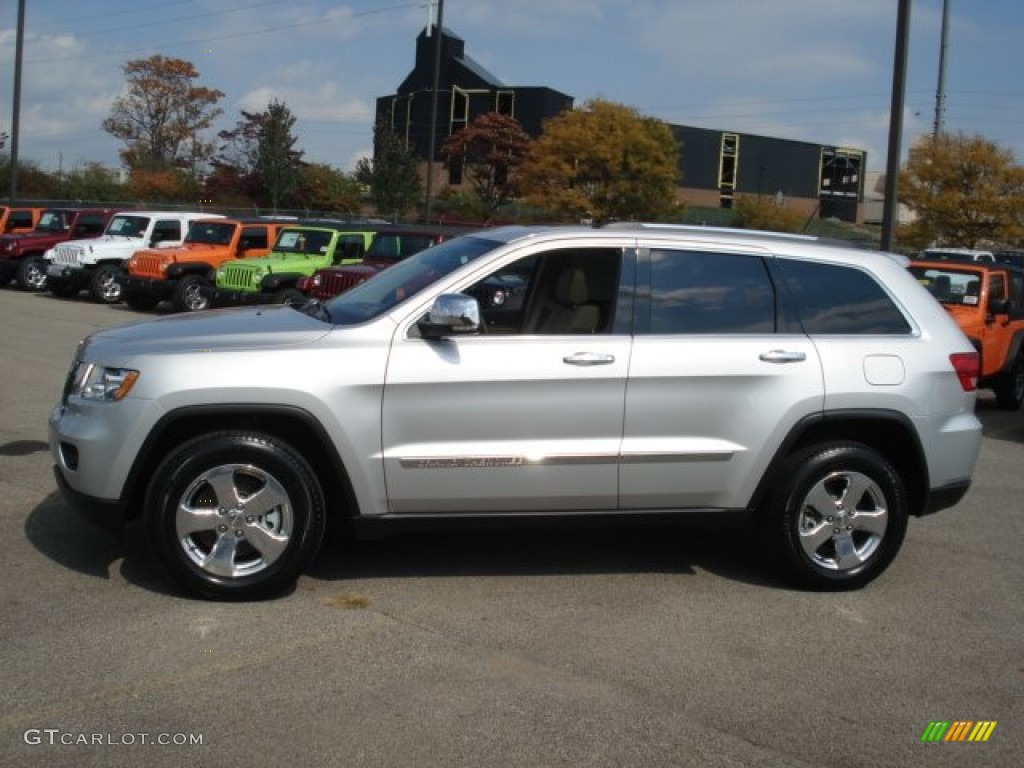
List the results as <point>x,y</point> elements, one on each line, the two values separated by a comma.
<point>62,290</point>
<point>223,550</point>
<point>32,274</point>
<point>104,286</point>
<point>289,296</point>
<point>1009,387</point>
<point>139,301</point>
<point>823,537</point>
<point>192,294</point>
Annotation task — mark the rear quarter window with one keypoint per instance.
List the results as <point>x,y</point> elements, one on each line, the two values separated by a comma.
<point>832,299</point>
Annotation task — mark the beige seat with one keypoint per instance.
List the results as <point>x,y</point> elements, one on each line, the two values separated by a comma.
<point>567,309</point>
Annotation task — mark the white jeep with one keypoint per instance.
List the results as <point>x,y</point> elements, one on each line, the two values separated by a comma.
<point>95,264</point>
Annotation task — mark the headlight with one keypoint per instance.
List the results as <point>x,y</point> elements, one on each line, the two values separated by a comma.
<point>96,382</point>
<point>316,280</point>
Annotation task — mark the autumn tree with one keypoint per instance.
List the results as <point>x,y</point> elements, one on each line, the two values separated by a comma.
<point>162,114</point>
<point>487,152</point>
<point>964,191</point>
<point>391,175</point>
<point>602,161</point>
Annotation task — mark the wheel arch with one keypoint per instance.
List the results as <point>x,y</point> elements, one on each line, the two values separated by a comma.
<point>888,432</point>
<point>297,427</point>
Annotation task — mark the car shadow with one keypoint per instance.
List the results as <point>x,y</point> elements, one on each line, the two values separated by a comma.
<point>60,534</point>
<point>71,541</point>
<point>998,424</point>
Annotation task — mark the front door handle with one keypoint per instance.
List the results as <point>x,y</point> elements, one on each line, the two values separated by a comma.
<point>589,358</point>
<point>782,356</point>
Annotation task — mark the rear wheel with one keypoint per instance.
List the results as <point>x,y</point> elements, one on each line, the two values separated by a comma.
<point>838,516</point>
<point>32,273</point>
<point>1009,388</point>
<point>104,286</point>
<point>234,515</point>
<point>192,294</point>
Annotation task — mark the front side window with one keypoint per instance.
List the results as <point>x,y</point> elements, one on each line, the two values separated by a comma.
<point>832,299</point>
<point>696,292</point>
<point>90,224</point>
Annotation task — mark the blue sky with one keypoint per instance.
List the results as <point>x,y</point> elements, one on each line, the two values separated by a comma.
<point>810,70</point>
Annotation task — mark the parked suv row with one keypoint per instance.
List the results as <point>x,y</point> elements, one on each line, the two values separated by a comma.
<point>818,393</point>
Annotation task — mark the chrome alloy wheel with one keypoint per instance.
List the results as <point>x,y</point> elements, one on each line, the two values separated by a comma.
<point>194,297</point>
<point>234,520</point>
<point>842,521</point>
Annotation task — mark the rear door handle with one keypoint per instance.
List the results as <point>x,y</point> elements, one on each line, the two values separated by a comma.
<point>782,356</point>
<point>589,358</point>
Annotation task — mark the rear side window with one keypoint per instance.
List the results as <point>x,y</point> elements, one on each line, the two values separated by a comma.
<point>835,300</point>
<point>719,293</point>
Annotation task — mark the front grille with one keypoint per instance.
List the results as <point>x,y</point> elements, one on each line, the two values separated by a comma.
<point>333,283</point>
<point>236,277</point>
<point>147,266</point>
<point>67,254</point>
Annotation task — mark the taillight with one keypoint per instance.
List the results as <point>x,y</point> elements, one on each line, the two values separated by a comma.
<point>968,367</point>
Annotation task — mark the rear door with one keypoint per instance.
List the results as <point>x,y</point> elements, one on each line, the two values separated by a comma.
<point>718,376</point>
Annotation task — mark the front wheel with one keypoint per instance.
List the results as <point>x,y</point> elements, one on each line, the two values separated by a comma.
<point>292,296</point>
<point>234,515</point>
<point>32,273</point>
<point>1009,388</point>
<point>192,294</point>
<point>838,516</point>
<point>104,286</point>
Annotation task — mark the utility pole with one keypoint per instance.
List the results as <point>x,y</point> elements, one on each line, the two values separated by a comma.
<point>435,85</point>
<point>940,91</point>
<point>890,212</point>
<point>19,46</point>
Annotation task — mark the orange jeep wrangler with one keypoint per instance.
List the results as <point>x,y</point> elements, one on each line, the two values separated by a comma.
<point>185,274</point>
<point>987,301</point>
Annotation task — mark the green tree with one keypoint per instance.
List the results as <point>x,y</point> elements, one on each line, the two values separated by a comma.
<point>488,151</point>
<point>278,163</point>
<point>92,181</point>
<point>33,182</point>
<point>161,115</point>
<point>324,188</point>
<point>391,175</point>
<point>964,191</point>
<point>766,213</point>
<point>603,161</point>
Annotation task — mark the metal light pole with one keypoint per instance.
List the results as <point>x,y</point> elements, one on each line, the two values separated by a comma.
<point>435,85</point>
<point>940,90</point>
<point>890,211</point>
<point>19,46</point>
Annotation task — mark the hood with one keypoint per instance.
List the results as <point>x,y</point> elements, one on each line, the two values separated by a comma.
<point>211,331</point>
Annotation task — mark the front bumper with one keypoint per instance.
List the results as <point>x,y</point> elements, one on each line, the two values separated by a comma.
<point>224,297</point>
<point>64,274</point>
<point>147,286</point>
<point>109,515</point>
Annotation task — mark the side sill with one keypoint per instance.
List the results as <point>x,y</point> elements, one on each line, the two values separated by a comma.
<point>381,526</point>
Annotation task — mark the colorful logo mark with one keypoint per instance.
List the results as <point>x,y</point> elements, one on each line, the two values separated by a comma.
<point>958,730</point>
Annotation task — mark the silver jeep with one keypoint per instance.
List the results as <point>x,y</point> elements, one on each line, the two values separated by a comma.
<point>818,394</point>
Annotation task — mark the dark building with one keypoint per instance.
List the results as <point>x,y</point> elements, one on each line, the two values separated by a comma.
<point>465,91</point>
<point>714,166</point>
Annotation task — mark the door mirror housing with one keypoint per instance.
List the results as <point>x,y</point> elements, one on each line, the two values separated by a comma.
<point>452,314</point>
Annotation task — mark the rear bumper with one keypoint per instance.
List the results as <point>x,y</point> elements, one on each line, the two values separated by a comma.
<point>945,497</point>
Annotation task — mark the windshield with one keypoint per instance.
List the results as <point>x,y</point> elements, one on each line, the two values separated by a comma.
<point>210,232</point>
<point>54,221</point>
<point>128,226</point>
<point>950,286</point>
<point>395,284</point>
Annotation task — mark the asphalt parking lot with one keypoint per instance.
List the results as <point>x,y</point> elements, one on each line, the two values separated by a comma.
<point>628,647</point>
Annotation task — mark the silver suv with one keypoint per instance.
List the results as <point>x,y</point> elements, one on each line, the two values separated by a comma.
<point>637,371</point>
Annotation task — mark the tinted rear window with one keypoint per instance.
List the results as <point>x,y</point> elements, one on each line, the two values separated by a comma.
<point>836,300</point>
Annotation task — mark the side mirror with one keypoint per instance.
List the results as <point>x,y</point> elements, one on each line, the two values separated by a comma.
<point>452,314</point>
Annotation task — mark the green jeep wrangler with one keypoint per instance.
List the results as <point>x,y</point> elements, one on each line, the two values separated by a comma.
<point>300,250</point>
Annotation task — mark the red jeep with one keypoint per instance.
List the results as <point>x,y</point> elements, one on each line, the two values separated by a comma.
<point>21,256</point>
